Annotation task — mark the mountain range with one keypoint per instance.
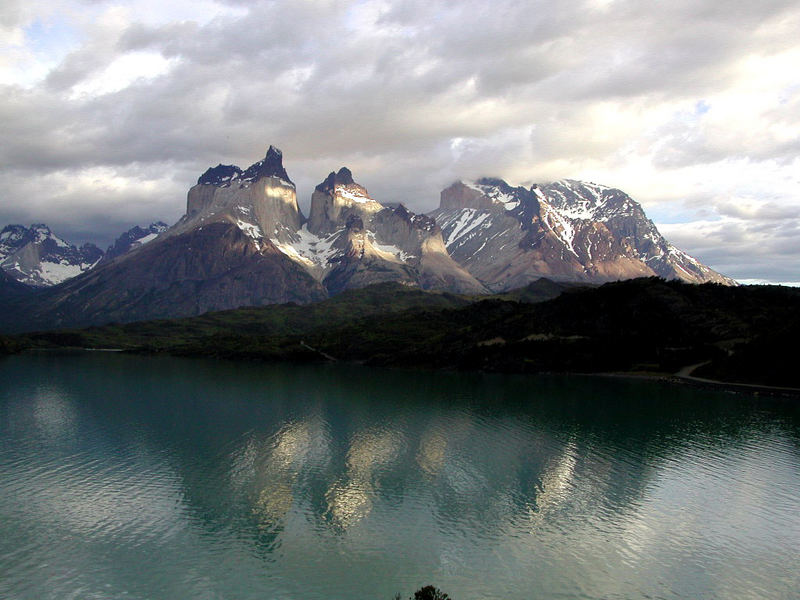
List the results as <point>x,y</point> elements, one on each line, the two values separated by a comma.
<point>37,257</point>
<point>243,241</point>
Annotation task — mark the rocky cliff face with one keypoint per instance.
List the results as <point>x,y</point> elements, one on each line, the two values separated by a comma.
<point>261,201</point>
<point>351,240</point>
<point>568,230</point>
<point>36,256</point>
<point>243,242</point>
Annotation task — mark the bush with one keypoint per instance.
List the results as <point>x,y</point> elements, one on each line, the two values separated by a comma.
<point>430,593</point>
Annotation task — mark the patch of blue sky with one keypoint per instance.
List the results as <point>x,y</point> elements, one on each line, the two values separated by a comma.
<point>701,107</point>
<point>51,39</point>
<point>674,214</point>
<point>788,93</point>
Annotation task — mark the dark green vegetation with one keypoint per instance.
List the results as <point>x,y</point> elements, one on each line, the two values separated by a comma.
<point>746,334</point>
<point>430,593</point>
<point>427,592</point>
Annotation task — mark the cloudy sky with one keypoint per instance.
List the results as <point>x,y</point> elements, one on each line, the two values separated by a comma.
<point>109,111</point>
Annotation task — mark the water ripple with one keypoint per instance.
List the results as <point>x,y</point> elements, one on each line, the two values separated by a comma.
<point>488,487</point>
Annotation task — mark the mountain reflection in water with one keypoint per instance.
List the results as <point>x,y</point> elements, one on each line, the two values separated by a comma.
<point>251,481</point>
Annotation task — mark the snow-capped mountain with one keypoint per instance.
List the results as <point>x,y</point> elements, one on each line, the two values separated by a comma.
<point>36,256</point>
<point>349,239</point>
<point>134,238</point>
<point>243,241</point>
<point>568,230</point>
<point>215,257</point>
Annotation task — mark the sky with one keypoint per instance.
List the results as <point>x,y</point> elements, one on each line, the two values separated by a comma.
<point>110,111</point>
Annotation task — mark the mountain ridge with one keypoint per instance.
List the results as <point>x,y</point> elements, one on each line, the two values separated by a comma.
<point>244,240</point>
<point>567,230</point>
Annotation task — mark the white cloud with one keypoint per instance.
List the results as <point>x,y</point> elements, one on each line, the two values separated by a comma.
<point>121,73</point>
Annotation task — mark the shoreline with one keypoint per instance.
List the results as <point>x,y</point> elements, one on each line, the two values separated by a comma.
<point>681,377</point>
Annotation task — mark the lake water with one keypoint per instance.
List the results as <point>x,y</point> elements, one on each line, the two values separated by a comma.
<point>148,477</point>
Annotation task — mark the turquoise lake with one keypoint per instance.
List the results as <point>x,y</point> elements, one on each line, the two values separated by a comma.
<point>164,478</point>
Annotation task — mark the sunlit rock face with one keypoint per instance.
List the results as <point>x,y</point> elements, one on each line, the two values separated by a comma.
<point>223,254</point>
<point>568,230</point>
<point>366,242</point>
<point>261,200</point>
<point>337,199</point>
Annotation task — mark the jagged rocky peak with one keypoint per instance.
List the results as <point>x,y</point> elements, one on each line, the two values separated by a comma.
<point>343,177</point>
<point>13,236</point>
<point>225,175</point>
<point>400,216</point>
<point>270,166</point>
<point>261,200</point>
<point>221,175</point>
<point>336,198</point>
<point>350,240</point>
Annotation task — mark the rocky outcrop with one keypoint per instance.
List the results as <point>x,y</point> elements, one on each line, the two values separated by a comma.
<point>351,240</point>
<point>568,231</point>
<point>262,200</point>
<point>337,199</point>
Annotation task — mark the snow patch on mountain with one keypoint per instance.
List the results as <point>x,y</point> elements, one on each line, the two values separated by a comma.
<point>250,230</point>
<point>313,250</point>
<point>568,229</point>
<point>560,224</point>
<point>498,196</point>
<point>464,222</point>
<point>354,194</point>
<point>148,238</point>
<point>54,273</point>
<point>389,251</point>
<point>38,257</point>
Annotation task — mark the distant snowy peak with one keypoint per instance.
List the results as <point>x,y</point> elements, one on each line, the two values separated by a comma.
<point>588,201</point>
<point>135,237</point>
<point>507,236</point>
<point>13,237</point>
<point>37,257</point>
<point>500,193</point>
